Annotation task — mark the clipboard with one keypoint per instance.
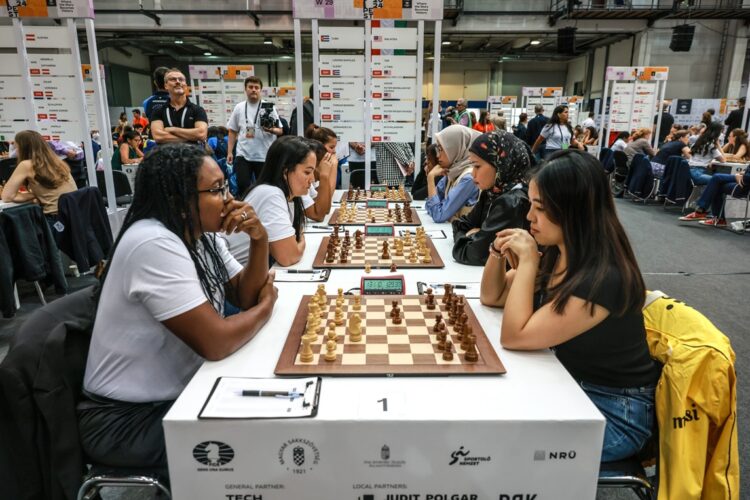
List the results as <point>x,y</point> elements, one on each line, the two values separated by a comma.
<point>254,398</point>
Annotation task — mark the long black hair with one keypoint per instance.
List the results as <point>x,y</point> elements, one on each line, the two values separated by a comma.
<point>707,140</point>
<point>166,189</point>
<point>555,119</point>
<point>282,158</point>
<point>576,196</point>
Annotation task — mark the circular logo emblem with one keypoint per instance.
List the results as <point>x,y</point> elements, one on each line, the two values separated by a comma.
<point>213,453</point>
<point>299,455</point>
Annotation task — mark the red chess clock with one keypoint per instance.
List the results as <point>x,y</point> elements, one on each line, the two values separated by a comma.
<point>383,285</point>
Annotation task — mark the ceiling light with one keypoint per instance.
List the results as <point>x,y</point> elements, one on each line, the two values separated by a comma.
<point>446,42</point>
<point>267,41</point>
<point>179,42</point>
<point>535,42</point>
<point>206,53</point>
<point>286,57</point>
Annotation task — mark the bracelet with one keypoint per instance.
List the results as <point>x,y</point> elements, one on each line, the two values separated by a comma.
<point>494,253</point>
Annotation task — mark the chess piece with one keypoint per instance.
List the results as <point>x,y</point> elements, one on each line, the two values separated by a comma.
<point>441,341</point>
<point>448,351</point>
<point>367,268</point>
<point>343,256</point>
<point>412,256</point>
<point>466,334</point>
<point>430,300</point>
<point>340,294</point>
<point>446,293</point>
<point>332,331</point>
<point>330,354</point>
<point>394,306</point>
<point>471,354</point>
<point>396,318</point>
<point>355,328</point>
<point>393,267</point>
<point>427,259</point>
<point>338,316</point>
<point>357,303</point>
<point>306,355</point>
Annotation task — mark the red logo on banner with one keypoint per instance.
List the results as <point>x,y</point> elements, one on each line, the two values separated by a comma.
<point>377,72</point>
<point>45,72</point>
<point>41,116</point>
<point>35,71</point>
<point>377,95</point>
<point>38,93</point>
<point>377,117</point>
<point>325,117</point>
<point>325,72</point>
<point>376,138</point>
<point>325,95</point>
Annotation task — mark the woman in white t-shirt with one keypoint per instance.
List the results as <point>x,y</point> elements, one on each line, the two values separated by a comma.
<point>621,142</point>
<point>557,134</point>
<point>277,197</point>
<point>705,150</point>
<point>161,301</point>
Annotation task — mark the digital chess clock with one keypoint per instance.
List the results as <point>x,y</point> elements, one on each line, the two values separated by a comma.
<point>378,187</point>
<point>379,230</point>
<point>377,204</point>
<point>383,285</point>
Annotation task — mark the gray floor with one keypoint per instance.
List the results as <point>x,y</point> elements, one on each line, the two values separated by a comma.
<point>700,265</point>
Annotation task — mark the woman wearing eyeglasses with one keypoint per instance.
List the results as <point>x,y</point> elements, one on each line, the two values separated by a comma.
<point>161,302</point>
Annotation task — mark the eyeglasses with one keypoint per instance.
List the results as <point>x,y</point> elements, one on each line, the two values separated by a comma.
<point>224,190</point>
<point>179,79</point>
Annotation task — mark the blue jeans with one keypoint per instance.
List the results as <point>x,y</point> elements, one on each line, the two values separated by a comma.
<point>719,185</point>
<point>699,176</point>
<point>630,416</point>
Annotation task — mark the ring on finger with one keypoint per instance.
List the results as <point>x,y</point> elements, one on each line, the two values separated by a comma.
<point>243,215</point>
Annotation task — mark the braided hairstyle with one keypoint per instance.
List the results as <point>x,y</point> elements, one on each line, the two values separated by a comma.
<point>166,189</point>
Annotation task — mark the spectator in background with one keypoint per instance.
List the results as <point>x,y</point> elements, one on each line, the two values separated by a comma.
<point>139,120</point>
<point>158,98</point>
<point>589,122</point>
<point>694,131</point>
<point>708,117</point>
<point>455,193</point>
<point>737,147</point>
<point>640,143</point>
<point>120,127</point>
<point>557,134</point>
<point>448,118</point>
<point>308,113</point>
<point>429,131</point>
<point>734,120</point>
<point>395,160</point>
<point>667,121</point>
<point>705,150</point>
<point>484,124</point>
<point>590,136</point>
<point>45,175</point>
<point>677,147</point>
<point>419,188</point>
<point>95,144</point>
<point>536,125</point>
<point>180,120</point>
<point>357,162</point>
<point>129,152</point>
<point>737,185</point>
<point>520,130</point>
<point>463,115</point>
<point>621,141</point>
<point>217,143</point>
<point>498,122</point>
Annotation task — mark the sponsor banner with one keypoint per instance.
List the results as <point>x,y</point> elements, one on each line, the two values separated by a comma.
<point>690,111</point>
<point>283,99</point>
<point>393,131</point>
<point>204,72</point>
<point>368,9</point>
<point>47,37</point>
<point>233,87</point>
<point>341,37</point>
<point>394,38</point>
<point>341,109</point>
<point>542,91</point>
<point>342,88</point>
<point>341,65</point>
<point>238,72</point>
<point>642,73</point>
<point>394,88</point>
<point>405,66</point>
<point>53,9</point>
<point>402,111</point>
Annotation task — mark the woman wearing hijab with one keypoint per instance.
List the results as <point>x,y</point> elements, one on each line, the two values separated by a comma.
<point>455,193</point>
<point>501,161</point>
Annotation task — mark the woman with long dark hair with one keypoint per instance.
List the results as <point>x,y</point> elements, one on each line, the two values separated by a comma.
<point>161,303</point>
<point>286,176</point>
<point>557,133</point>
<point>737,147</point>
<point>581,297</point>
<point>45,176</point>
<point>705,150</point>
<point>501,162</point>
<point>484,125</point>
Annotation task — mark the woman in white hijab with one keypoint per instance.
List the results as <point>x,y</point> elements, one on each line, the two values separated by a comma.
<point>455,193</point>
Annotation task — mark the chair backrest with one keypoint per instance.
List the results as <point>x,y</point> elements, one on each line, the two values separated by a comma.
<point>640,177</point>
<point>357,179</point>
<point>606,157</point>
<point>621,159</point>
<point>7,166</point>
<point>122,185</point>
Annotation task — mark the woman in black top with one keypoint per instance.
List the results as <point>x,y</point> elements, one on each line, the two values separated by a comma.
<point>582,296</point>
<point>501,161</point>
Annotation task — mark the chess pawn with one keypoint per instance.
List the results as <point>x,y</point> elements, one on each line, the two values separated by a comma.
<point>471,354</point>
<point>427,259</point>
<point>396,318</point>
<point>330,354</point>
<point>393,267</point>
<point>448,351</point>
<point>338,317</point>
<point>355,328</point>
<point>441,341</point>
<point>430,300</point>
<point>340,293</point>
<point>466,337</point>
<point>367,268</point>
<point>332,331</point>
<point>306,355</point>
<point>357,303</point>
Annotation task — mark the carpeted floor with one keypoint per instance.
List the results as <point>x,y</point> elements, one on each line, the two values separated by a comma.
<point>700,265</point>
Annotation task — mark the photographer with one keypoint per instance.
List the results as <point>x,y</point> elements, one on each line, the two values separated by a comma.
<point>256,124</point>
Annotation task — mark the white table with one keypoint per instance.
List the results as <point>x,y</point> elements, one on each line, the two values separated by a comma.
<point>529,432</point>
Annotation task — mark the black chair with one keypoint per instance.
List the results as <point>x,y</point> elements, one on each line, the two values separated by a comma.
<point>620,173</point>
<point>78,171</point>
<point>628,473</point>
<point>7,166</point>
<point>676,183</point>
<point>123,191</point>
<point>357,178</point>
<point>607,159</point>
<point>641,184</point>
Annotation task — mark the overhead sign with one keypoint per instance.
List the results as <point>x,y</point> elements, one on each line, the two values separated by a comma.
<point>368,9</point>
<point>643,73</point>
<point>53,9</point>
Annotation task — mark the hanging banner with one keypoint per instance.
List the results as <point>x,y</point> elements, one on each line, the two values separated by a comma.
<point>341,37</point>
<point>643,73</point>
<point>690,111</point>
<point>53,9</point>
<point>619,107</point>
<point>369,9</point>
<point>644,104</point>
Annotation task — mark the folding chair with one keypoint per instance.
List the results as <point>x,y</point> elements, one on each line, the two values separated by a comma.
<point>742,225</point>
<point>123,191</point>
<point>619,174</point>
<point>676,183</point>
<point>607,159</point>
<point>628,473</point>
<point>641,184</point>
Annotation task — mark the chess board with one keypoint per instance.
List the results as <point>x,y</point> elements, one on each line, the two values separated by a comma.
<point>371,252</point>
<point>362,196</point>
<point>380,215</point>
<point>409,348</point>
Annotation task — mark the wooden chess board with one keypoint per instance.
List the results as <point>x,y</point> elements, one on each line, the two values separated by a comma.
<point>362,196</point>
<point>409,348</point>
<point>379,214</point>
<point>371,253</point>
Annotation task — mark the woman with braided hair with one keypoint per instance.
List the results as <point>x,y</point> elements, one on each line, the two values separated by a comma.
<point>161,301</point>
<point>501,161</point>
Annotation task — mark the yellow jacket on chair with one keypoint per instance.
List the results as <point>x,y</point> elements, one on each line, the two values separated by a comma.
<point>696,403</point>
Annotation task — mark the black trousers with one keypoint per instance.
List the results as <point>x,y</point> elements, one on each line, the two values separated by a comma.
<point>247,173</point>
<point>121,434</point>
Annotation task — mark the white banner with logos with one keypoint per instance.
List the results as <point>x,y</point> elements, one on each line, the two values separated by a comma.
<point>341,65</point>
<point>393,88</point>
<point>346,131</point>
<point>384,131</point>
<point>386,110</point>
<point>394,38</point>
<point>391,65</point>
<point>369,9</point>
<point>342,88</point>
<point>341,37</point>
